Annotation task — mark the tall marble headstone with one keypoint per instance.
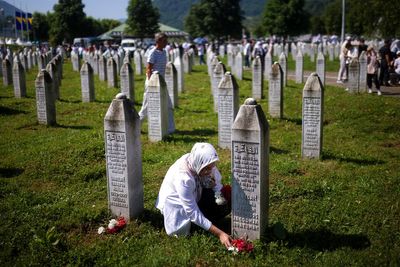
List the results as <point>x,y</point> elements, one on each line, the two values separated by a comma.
<point>267,64</point>
<point>239,66</point>
<point>87,83</point>
<point>363,72</point>
<point>228,104</point>
<point>275,92</point>
<point>353,83</point>
<point>186,63</point>
<point>171,79</point>
<point>45,102</point>
<point>321,67</point>
<point>124,159</point>
<point>218,74</point>
<point>102,68</point>
<point>312,114</point>
<point>76,64</point>
<point>283,64</point>
<point>127,81</point>
<point>7,72</point>
<point>19,80</point>
<point>179,68</point>
<point>250,171</point>
<point>299,67</point>
<point>52,70</point>
<point>258,80</point>
<point>112,79</point>
<point>157,109</point>
<point>138,63</point>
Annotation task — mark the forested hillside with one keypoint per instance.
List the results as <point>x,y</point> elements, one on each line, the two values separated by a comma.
<point>173,12</point>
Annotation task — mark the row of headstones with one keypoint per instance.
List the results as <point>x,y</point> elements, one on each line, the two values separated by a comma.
<point>248,140</point>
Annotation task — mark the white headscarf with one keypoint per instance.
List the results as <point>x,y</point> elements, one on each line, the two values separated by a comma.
<point>202,154</point>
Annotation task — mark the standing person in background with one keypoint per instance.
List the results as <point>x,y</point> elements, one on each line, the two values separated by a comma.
<point>157,61</point>
<point>362,46</point>
<point>247,53</point>
<point>386,61</point>
<point>372,70</point>
<point>200,53</point>
<point>342,75</point>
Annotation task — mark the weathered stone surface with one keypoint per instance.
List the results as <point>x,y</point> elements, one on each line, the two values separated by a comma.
<point>87,83</point>
<point>258,80</point>
<point>127,81</point>
<point>45,102</point>
<point>275,92</point>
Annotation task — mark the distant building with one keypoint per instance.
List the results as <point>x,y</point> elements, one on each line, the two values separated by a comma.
<point>14,22</point>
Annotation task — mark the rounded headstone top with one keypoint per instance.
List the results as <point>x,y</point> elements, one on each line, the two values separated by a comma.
<point>120,96</point>
<point>228,73</point>
<point>250,101</point>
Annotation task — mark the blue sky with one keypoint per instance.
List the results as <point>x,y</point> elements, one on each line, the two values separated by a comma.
<point>114,9</point>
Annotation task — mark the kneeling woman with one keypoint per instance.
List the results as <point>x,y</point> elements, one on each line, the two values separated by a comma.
<point>185,198</point>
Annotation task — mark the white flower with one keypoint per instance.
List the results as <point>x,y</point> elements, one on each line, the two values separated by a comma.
<point>219,199</point>
<point>112,223</point>
<point>101,230</point>
<point>233,249</point>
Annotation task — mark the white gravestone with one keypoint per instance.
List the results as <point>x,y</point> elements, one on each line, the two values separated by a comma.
<point>19,80</point>
<point>239,66</point>
<point>312,117</point>
<point>258,80</point>
<point>363,72</point>
<point>321,67</point>
<point>127,81</point>
<point>283,64</point>
<point>275,92</point>
<point>353,83</point>
<point>250,171</point>
<point>171,79</point>
<point>138,63</point>
<point>45,102</point>
<point>102,68</point>
<point>7,72</point>
<point>299,67</point>
<point>267,64</point>
<point>179,68</point>
<point>87,83</point>
<point>112,73</point>
<point>75,62</point>
<point>218,74</point>
<point>157,110</point>
<point>186,63</point>
<point>123,158</point>
<point>228,104</point>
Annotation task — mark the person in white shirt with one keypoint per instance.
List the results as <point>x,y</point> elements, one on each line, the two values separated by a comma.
<point>182,189</point>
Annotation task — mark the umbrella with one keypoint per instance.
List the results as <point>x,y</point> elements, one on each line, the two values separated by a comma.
<point>200,40</point>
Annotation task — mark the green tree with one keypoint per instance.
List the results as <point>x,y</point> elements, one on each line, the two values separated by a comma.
<point>69,21</point>
<point>142,18</point>
<point>41,26</point>
<point>215,18</point>
<point>285,18</point>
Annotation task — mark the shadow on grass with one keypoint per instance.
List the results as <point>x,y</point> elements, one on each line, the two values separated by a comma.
<point>330,156</point>
<point>10,172</point>
<point>70,101</point>
<point>297,121</point>
<point>196,135</point>
<point>10,111</point>
<point>153,217</point>
<point>319,239</point>
<point>277,150</point>
<point>76,127</point>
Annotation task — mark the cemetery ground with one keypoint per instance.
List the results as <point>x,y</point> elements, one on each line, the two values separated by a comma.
<point>341,210</point>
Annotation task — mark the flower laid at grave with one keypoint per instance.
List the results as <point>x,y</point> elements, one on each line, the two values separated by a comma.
<point>114,226</point>
<point>241,245</point>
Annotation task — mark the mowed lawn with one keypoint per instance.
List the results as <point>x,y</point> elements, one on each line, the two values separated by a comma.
<point>338,211</point>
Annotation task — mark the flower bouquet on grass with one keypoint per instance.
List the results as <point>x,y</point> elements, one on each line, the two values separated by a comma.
<point>241,245</point>
<point>114,226</point>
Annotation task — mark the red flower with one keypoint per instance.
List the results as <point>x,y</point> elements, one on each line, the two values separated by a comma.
<point>117,227</point>
<point>242,245</point>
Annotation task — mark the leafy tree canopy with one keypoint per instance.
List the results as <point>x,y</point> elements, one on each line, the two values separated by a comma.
<point>142,19</point>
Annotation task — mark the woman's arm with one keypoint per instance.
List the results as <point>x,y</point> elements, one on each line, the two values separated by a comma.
<point>224,238</point>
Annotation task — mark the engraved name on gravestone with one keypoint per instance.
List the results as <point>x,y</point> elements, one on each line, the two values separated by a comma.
<point>87,83</point>
<point>267,64</point>
<point>283,64</point>
<point>250,171</point>
<point>275,92</point>
<point>363,72</point>
<point>299,67</point>
<point>312,114</point>
<point>228,104</point>
<point>321,67</point>
<point>7,72</point>
<point>171,79</point>
<point>127,80</point>
<point>218,74</point>
<point>157,109</point>
<point>112,73</point>
<point>123,158</point>
<point>353,83</point>
<point>257,82</point>
<point>19,80</point>
<point>45,102</point>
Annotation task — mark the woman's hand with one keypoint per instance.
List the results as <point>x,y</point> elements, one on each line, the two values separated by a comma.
<point>224,238</point>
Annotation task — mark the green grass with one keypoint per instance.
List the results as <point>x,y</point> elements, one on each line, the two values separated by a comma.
<point>342,210</point>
